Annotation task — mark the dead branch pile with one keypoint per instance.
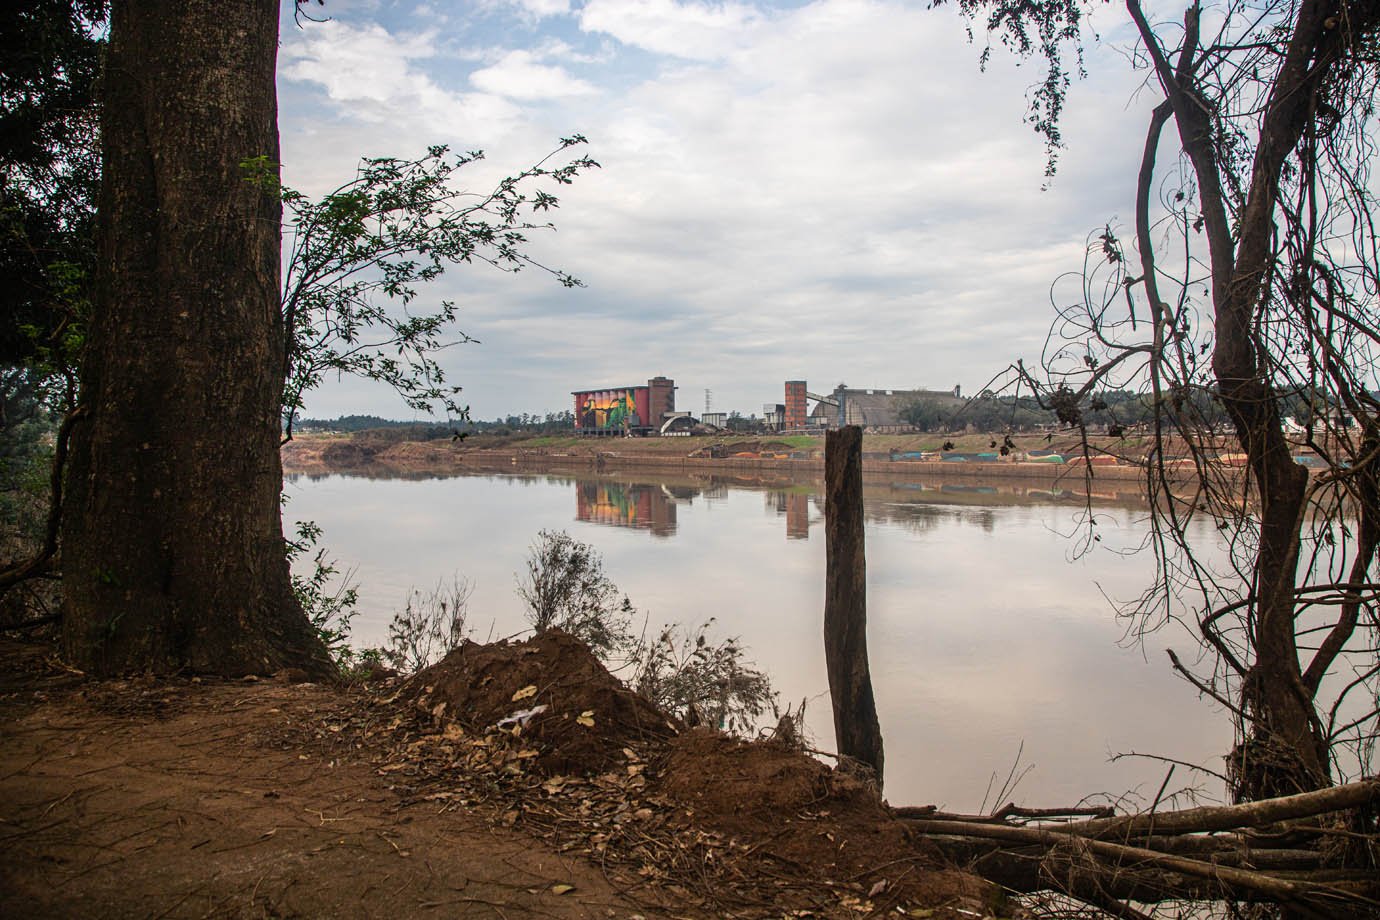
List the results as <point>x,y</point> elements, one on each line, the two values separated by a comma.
<point>1315,853</point>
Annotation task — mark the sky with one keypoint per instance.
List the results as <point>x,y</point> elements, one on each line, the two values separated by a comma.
<point>832,191</point>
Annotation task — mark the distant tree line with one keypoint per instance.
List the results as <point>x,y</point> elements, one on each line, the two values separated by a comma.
<point>530,423</point>
<point>1114,410</point>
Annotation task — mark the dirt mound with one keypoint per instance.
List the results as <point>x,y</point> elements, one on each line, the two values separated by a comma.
<point>794,813</point>
<point>751,829</point>
<point>550,691</point>
<point>265,798</point>
<point>349,453</point>
<point>751,780</point>
<point>735,447</point>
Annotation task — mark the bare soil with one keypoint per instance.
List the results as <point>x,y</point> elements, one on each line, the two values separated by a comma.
<point>363,453</point>
<point>265,798</point>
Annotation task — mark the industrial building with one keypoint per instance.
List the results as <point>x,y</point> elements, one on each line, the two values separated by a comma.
<point>651,409</point>
<point>631,410</point>
<point>867,408</point>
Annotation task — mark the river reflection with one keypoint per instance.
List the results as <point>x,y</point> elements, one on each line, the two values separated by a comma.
<point>985,634</point>
<point>627,504</point>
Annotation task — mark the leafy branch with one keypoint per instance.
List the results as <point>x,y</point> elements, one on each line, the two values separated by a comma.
<point>358,257</point>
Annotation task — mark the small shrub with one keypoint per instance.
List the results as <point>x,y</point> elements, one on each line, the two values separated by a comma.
<point>566,588</point>
<point>429,626</point>
<point>681,671</point>
<point>330,608</point>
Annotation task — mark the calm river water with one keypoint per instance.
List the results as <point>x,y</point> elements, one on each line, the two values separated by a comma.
<point>987,636</point>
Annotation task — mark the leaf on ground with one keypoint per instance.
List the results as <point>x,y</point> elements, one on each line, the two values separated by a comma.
<point>586,718</point>
<point>528,691</point>
<point>562,888</point>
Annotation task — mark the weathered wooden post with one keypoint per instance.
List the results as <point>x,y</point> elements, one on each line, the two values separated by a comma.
<point>856,730</point>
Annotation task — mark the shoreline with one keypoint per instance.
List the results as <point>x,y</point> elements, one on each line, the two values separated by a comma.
<point>315,456</point>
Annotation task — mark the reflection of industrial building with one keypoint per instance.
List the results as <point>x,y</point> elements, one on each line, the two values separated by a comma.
<point>796,507</point>
<point>625,410</point>
<point>626,505</point>
<point>797,516</point>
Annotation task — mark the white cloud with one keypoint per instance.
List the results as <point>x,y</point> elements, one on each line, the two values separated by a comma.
<point>518,75</point>
<point>689,30</point>
<point>360,65</point>
<point>831,192</point>
<point>541,9</point>
<point>361,90</point>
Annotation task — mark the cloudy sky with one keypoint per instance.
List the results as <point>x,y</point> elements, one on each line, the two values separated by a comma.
<point>831,191</point>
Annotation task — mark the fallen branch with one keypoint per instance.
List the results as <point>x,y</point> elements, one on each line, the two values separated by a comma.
<point>32,624</point>
<point>1228,882</point>
<point>1208,818</point>
<point>1010,810</point>
<point>1076,871</point>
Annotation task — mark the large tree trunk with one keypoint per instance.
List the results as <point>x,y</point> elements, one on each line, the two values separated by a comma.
<point>173,545</point>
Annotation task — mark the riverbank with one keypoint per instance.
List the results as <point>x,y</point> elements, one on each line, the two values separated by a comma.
<point>799,458</point>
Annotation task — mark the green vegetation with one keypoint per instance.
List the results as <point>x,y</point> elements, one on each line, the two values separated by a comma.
<point>26,452</point>
<point>565,587</point>
<point>49,66</point>
<point>553,423</point>
<point>683,672</point>
<point>359,256</point>
<point>431,624</point>
<point>329,603</point>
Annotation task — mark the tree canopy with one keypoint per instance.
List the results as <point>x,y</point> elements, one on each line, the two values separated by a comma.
<point>50,58</point>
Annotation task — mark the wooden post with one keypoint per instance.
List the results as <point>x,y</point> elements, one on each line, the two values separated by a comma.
<point>856,729</point>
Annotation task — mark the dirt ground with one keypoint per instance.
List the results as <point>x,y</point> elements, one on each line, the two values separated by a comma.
<point>263,798</point>
<point>237,800</point>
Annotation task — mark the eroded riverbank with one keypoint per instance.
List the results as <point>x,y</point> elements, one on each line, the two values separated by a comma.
<point>797,459</point>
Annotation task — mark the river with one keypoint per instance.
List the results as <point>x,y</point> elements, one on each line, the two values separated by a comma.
<point>993,643</point>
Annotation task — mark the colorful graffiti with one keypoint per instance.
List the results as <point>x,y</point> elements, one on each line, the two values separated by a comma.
<point>626,505</point>
<point>616,410</point>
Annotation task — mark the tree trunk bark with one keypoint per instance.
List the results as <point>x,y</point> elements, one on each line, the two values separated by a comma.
<point>856,729</point>
<point>173,551</point>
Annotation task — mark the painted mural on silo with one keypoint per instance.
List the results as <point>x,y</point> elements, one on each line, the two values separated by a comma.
<point>611,410</point>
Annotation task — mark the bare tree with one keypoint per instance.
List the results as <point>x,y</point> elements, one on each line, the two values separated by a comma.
<point>1246,297</point>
